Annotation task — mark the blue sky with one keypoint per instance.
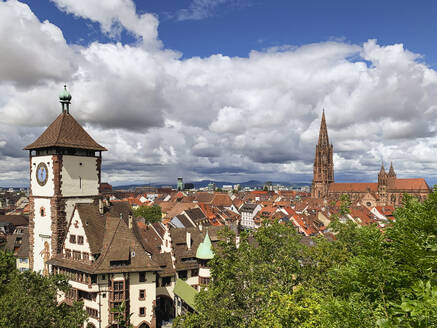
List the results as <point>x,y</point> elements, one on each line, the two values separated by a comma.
<point>224,89</point>
<point>235,27</point>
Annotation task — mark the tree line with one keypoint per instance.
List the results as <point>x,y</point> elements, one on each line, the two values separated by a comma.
<point>366,277</point>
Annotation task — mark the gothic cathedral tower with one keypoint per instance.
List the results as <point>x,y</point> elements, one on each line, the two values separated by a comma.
<point>323,174</point>
<point>64,170</point>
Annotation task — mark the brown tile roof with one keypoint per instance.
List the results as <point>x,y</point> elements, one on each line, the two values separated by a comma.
<point>353,187</point>
<point>221,199</point>
<point>120,244</point>
<point>363,214</point>
<point>185,258</point>
<point>16,220</point>
<point>185,221</point>
<point>237,202</point>
<point>150,236</point>
<point>23,251</point>
<point>65,132</point>
<point>160,229</point>
<point>409,184</point>
<point>165,263</point>
<point>204,197</point>
<point>196,215</point>
<point>171,209</point>
<point>93,224</point>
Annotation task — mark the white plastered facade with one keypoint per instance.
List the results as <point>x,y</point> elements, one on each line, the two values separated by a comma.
<point>48,189</point>
<point>76,229</point>
<point>79,176</point>
<point>42,232</point>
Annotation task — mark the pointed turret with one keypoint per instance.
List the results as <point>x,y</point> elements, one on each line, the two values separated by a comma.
<point>391,176</point>
<point>391,172</point>
<point>382,170</point>
<point>204,251</point>
<point>382,176</point>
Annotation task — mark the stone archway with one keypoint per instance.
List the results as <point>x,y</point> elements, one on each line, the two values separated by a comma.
<point>165,310</point>
<point>144,325</point>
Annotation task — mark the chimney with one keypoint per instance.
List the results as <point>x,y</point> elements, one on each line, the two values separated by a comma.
<point>188,240</point>
<point>101,207</point>
<point>131,221</point>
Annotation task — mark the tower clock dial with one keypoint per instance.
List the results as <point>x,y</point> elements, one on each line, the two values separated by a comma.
<point>42,173</point>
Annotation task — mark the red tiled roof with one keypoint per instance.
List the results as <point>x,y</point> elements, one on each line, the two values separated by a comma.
<point>354,187</point>
<point>204,197</point>
<point>363,214</point>
<point>385,210</point>
<point>221,199</point>
<point>259,192</point>
<point>410,184</point>
<point>289,210</point>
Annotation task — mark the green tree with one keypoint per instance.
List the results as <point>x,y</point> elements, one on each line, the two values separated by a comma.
<point>149,213</point>
<point>364,278</point>
<point>28,299</point>
<point>122,320</point>
<point>247,277</point>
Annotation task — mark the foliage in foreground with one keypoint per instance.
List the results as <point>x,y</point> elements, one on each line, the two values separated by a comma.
<point>365,278</point>
<point>28,299</point>
<point>149,213</point>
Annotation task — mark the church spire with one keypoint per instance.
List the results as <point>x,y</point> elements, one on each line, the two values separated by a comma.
<point>323,170</point>
<point>323,133</point>
<point>382,170</point>
<point>391,172</point>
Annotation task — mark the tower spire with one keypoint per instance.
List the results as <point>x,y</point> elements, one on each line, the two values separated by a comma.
<point>323,174</point>
<point>382,170</point>
<point>323,133</point>
<point>391,172</point>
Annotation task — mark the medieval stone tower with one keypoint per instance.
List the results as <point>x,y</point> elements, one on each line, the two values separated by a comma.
<point>64,170</point>
<point>323,174</point>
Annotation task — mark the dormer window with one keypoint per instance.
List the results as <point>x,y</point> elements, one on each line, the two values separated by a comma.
<point>42,211</point>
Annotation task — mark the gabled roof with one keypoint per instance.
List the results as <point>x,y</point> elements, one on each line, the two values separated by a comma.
<point>121,244</point>
<point>93,224</point>
<point>65,132</point>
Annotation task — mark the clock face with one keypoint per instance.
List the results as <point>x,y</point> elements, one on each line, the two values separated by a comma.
<point>42,174</point>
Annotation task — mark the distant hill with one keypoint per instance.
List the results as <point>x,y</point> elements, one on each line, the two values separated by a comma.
<point>219,184</point>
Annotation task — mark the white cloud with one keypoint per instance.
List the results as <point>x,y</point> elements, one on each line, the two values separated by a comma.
<point>219,117</point>
<point>113,15</point>
<point>199,9</point>
<point>31,51</point>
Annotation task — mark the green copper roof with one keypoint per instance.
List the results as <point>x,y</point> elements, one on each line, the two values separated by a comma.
<point>65,95</point>
<point>185,292</point>
<point>204,251</point>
